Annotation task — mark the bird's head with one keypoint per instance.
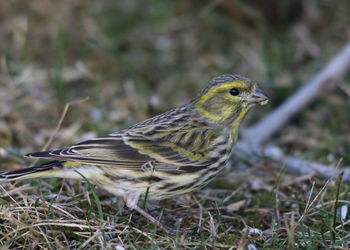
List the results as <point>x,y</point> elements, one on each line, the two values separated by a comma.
<point>228,98</point>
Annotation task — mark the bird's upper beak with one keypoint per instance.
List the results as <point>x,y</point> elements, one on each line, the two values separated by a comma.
<point>258,97</point>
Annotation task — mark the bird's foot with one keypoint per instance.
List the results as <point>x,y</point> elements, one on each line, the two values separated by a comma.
<point>158,223</point>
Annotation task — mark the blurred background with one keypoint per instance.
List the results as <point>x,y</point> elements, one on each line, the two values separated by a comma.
<point>135,59</point>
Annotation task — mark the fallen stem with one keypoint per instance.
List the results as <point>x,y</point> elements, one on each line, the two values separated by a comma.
<point>292,163</point>
<point>326,79</point>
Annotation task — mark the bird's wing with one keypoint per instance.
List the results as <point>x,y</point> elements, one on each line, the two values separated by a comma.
<point>179,150</point>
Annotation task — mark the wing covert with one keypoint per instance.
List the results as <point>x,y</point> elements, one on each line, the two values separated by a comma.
<point>132,150</point>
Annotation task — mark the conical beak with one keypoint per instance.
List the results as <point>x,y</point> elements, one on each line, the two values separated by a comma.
<point>258,97</point>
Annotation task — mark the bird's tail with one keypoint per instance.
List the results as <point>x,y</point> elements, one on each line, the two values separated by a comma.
<point>49,169</point>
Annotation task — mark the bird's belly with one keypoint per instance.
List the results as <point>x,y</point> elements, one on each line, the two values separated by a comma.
<point>157,188</point>
<point>162,185</point>
<point>183,184</point>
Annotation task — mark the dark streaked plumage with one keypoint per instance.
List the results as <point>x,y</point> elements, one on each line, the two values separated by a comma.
<point>170,154</point>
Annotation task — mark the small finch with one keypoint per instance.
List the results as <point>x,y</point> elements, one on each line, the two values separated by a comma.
<point>171,154</point>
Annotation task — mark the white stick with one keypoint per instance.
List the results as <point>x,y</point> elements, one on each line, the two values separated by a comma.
<point>293,164</point>
<point>326,79</point>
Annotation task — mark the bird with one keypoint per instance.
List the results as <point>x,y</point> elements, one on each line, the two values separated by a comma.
<point>171,154</point>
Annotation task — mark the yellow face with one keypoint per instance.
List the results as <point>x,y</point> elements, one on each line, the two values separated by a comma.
<point>228,99</point>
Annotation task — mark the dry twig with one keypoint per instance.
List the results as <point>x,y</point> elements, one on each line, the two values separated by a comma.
<point>326,79</point>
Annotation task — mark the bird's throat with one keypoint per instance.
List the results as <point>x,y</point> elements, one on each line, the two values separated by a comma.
<point>236,122</point>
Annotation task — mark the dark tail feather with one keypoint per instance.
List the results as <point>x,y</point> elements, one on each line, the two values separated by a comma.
<point>43,154</point>
<point>27,172</point>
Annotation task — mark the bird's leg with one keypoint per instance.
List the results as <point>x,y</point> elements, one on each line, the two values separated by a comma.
<point>148,167</point>
<point>131,199</point>
<point>152,219</point>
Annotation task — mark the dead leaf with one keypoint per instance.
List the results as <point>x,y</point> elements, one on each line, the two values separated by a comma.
<point>235,206</point>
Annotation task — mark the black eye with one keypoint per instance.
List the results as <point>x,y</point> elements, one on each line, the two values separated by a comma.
<point>234,91</point>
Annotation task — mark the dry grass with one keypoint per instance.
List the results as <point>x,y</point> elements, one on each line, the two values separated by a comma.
<point>134,59</point>
<point>287,213</point>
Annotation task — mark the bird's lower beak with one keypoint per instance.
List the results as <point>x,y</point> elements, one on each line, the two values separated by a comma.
<point>258,97</point>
